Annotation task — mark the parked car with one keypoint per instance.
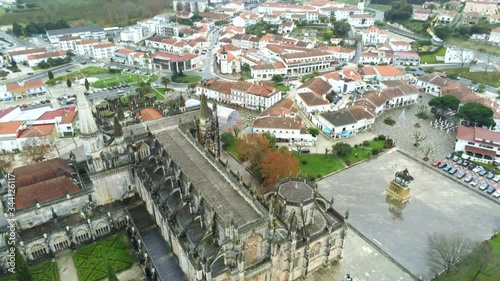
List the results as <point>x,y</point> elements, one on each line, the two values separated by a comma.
<point>465,163</point>
<point>442,165</point>
<point>460,161</point>
<point>449,156</point>
<point>477,169</point>
<point>448,168</point>
<point>305,150</point>
<point>293,149</point>
<point>496,178</point>
<point>472,166</point>
<point>437,163</point>
<point>455,158</point>
<point>496,194</point>
<point>483,172</point>
<point>491,190</point>
<point>474,182</point>
<point>490,175</point>
<point>452,170</point>
<point>461,175</point>
<point>468,179</point>
<point>25,105</point>
<point>484,186</point>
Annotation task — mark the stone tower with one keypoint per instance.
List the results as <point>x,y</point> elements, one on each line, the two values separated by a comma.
<point>224,65</point>
<point>204,119</point>
<point>90,134</point>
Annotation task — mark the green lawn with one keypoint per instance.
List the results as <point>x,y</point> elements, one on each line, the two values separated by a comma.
<point>46,271</point>
<point>379,7</point>
<point>483,47</point>
<point>2,11</point>
<point>88,71</point>
<point>315,165</point>
<point>488,78</point>
<point>431,58</point>
<point>356,155</point>
<point>417,27</point>
<point>92,261</point>
<point>466,270</point>
<point>115,81</point>
<point>282,87</point>
<point>188,79</point>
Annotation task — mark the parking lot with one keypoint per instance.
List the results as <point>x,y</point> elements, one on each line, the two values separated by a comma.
<point>472,174</point>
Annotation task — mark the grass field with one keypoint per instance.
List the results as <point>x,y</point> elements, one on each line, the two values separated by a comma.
<point>417,27</point>
<point>282,87</point>
<point>122,79</point>
<point>431,58</point>
<point>476,46</point>
<point>315,165</point>
<point>379,7</point>
<point>466,270</point>
<point>46,271</point>
<point>488,78</point>
<point>92,261</point>
<point>82,12</point>
<point>188,79</point>
<point>84,72</point>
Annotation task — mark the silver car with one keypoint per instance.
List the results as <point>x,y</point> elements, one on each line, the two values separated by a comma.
<point>475,182</point>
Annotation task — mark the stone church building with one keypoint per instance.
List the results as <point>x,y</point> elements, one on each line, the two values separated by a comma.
<point>188,215</point>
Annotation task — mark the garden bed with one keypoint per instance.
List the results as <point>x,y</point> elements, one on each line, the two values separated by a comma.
<point>92,261</point>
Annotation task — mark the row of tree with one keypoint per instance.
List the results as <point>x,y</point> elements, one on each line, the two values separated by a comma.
<point>476,113</point>
<point>399,11</point>
<point>444,31</point>
<point>53,62</point>
<point>33,28</point>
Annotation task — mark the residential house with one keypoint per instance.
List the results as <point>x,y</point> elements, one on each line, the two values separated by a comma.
<point>478,144</point>
<point>22,55</point>
<point>28,89</point>
<point>400,46</point>
<point>214,88</point>
<point>406,58</point>
<point>135,33</point>
<point>389,73</point>
<point>345,12</point>
<point>381,55</point>
<point>361,20</point>
<point>420,14</point>
<point>471,17</point>
<point>284,122</point>
<point>37,135</point>
<point>483,7</point>
<point>446,16</point>
<point>342,54</point>
<point>311,96</point>
<point>495,35</point>
<point>338,124</point>
<point>267,71</point>
<point>457,55</point>
<point>345,81</point>
<point>432,84</point>
<point>373,35</point>
<point>33,60</point>
<point>85,32</point>
<point>9,131</point>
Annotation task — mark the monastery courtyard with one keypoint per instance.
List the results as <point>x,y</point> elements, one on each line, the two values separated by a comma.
<point>437,204</point>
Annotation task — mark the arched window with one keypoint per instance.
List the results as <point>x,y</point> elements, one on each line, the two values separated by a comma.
<point>314,252</point>
<point>253,248</point>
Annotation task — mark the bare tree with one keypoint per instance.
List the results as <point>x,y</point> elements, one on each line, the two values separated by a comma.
<point>427,150</point>
<point>35,150</point>
<point>237,130</point>
<point>326,153</point>
<point>419,138</point>
<point>6,161</point>
<point>299,147</point>
<point>446,250</point>
<point>482,260</point>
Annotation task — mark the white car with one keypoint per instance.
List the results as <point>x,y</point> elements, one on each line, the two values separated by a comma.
<point>477,169</point>
<point>496,178</point>
<point>474,182</point>
<point>496,194</point>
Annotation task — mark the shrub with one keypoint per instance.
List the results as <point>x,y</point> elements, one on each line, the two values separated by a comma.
<point>319,176</point>
<point>389,121</point>
<point>366,143</point>
<point>375,138</point>
<point>381,137</point>
<point>355,146</point>
<point>304,162</point>
<point>375,151</point>
<point>348,163</point>
<point>311,178</point>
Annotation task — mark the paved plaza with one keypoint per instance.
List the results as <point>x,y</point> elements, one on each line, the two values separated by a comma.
<point>438,204</point>
<point>404,129</point>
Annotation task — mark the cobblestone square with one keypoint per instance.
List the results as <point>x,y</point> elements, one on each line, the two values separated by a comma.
<point>437,204</point>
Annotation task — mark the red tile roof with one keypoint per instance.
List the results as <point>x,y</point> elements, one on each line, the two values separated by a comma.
<point>172,57</point>
<point>6,111</point>
<point>387,70</point>
<point>28,51</point>
<point>104,45</point>
<point>68,117</point>
<point>47,55</point>
<point>51,115</point>
<point>149,114</point>
<point>42,171</point>
<point>480,150</point>
<point>9,128</point>
<point>37,131</point>
<point>44,191</point>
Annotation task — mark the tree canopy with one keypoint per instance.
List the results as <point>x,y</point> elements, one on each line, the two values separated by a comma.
<point>400,10</point>
<point>342,148</point>
<point>440,104</point>
<point>477,113</point>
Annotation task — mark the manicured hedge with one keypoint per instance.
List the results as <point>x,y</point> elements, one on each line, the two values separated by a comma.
<point>46,271</point>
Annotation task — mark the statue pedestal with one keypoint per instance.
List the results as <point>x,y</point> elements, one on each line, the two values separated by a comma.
<point>398,191</point>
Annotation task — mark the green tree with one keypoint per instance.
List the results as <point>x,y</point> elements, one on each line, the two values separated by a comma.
<point>328,35</point>
<point>477,113</point>
<point>227,138</point>
<point>271,139</point>
<point>22,271</point>
<point>400,10</point>
<point>342,148</point>
<point>111,273</point>
<point>277,78</point>
<point>165,81</point>
<point>440,104</point>
<point>245,67</point>
<point>17,29</point>
<point>341,28</point>
<point>313,131</point>
<point>87,85</point>
<point>68,82</point>
<point>50,74</point>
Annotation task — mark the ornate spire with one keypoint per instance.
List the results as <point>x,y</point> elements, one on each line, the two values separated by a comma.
<point>88,127</point>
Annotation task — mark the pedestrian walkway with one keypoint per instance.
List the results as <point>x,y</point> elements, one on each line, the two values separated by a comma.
<point>65,265</point>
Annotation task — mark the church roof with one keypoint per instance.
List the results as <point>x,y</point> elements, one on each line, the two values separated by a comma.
<point>44,191</point>
<point>42,171</point>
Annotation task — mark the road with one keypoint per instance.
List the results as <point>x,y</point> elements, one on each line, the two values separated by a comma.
<point>18,43</point>
<point>207,70</point>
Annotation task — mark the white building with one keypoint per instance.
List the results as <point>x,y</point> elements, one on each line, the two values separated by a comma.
<point>22,55</point>
<point>431,84</point>
<point>32,88</point>
<point>361,20</point>
<point>400,46</point>
<point>33,60</point>
<point>456,55</point>
<point>495,35</point>
<point>478,144</point>
<point>342,54</point>
<point>85,32</point>
<point>135,34</point>
<point>373,35</point>
<point>345,81</point>
<point>9,131</point>
<point>446,16</point>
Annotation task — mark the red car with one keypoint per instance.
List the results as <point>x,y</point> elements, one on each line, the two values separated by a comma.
<point>437,163</point>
